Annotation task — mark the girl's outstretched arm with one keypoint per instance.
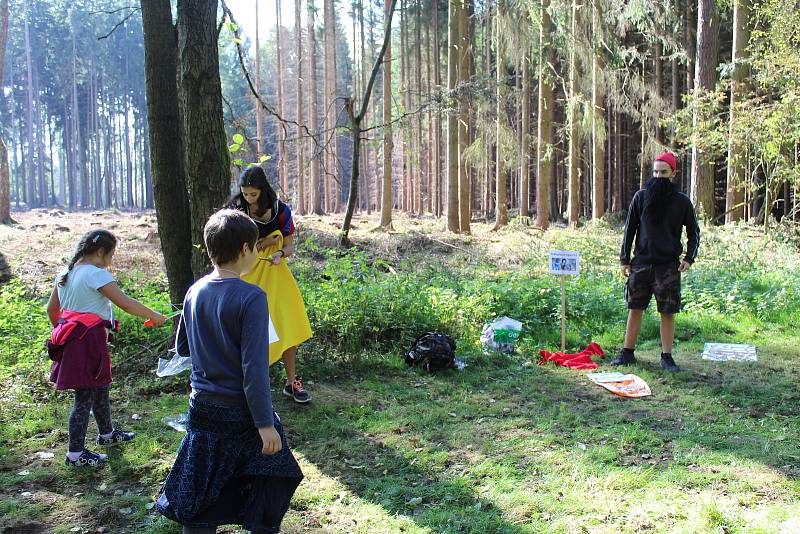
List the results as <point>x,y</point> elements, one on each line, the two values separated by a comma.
<point>113,293</point>
<point>54,307</point>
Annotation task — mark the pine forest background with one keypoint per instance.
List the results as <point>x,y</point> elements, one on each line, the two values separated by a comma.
<point>544,109</point>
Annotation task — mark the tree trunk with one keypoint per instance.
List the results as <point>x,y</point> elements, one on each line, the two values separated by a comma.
<point>573,204</point>
<point>544,126</point>
<point>525,126</point>
<point>598,119</point>
<point>356,121</point>
<point>702,188</point>
<point>501,213</point>
<point>734,198</point>
<point>419,152</point>
<point>405,194</point>
<point>166,157</point>
<point>300,144</point>
<point>206,151</point>
<point>5,182</point>
<point>464,185</point>
<point>453,13</point>
<point>329,103</point>
<point>437,116</point>
<point>432,153</point>
<point>282,163</point>
<point>617,204</point>
<point>690,41</point>
<point>386,200</point>
<point>31,181</point>
<point>313,118</point>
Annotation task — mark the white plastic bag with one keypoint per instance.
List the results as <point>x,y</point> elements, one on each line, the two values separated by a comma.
<point>176,365</point>
<point>501,335</point>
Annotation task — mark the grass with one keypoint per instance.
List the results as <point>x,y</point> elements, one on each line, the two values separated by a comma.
<point>503,446</point>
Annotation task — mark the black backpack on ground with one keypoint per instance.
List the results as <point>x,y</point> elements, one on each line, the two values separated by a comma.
<point>432,351</point>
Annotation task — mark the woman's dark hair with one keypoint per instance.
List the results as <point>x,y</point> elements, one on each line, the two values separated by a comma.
<point>255,177</point>
<point>90,243</point>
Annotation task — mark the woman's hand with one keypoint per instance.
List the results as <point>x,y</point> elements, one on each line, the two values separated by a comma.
<point>276,258</point>
<point>264,244</point>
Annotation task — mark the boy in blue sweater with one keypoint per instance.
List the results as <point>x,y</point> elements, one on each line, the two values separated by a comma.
<point>233,466</point>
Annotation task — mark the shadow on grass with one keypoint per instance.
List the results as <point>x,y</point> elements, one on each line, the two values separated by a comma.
<point>423,445</point>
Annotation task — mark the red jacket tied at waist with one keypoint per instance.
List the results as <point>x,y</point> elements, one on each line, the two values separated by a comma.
<point>78,346</point>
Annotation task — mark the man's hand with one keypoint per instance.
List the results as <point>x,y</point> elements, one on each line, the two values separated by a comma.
<point>270,439</point>
<point>684,266</point>
<point>625,270</point>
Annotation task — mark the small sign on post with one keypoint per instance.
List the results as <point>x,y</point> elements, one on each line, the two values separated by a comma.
<point>564,263</point>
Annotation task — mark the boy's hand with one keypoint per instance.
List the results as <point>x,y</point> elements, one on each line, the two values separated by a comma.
<point>625,270</point>
<point>270,439</point>
<point>276,258</point>
<point>684,266</point>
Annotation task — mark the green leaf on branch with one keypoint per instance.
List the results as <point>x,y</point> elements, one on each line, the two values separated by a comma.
<point>234,148</point>
<point>264,158</point>
<point>238,138</point>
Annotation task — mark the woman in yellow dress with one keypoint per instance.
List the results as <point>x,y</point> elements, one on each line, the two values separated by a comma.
<point>276,243</point>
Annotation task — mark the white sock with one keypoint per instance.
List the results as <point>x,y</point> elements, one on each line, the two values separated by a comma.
<point>72,456</point>
<point>107,436</point>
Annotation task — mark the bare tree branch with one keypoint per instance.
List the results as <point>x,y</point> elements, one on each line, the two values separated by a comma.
<point>120,23</point>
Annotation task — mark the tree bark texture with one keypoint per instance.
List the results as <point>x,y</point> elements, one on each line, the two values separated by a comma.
<point>544,126</point>
<point>573,204</point>
<point>453,14</point>
<point>386,197</point>
<point>206,151</point>
<point>734,197</point>
<point>166,148</point>
<point>702,187</point>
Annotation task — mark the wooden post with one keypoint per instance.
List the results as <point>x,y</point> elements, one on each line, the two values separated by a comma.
<point>563,314</point>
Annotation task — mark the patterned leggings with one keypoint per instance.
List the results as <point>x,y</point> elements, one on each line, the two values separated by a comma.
<point>94,400</point>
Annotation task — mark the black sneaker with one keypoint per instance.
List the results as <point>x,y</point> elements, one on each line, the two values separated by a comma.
<point>668,364</point>
<point>624,357</point>
<point>297,391</point>
<point>117,436</point>
<point>87,459</point>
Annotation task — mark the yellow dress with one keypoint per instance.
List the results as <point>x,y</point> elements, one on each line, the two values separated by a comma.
<point>286,306</point>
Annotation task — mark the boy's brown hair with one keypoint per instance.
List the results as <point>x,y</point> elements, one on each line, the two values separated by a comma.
<point>225,233</point>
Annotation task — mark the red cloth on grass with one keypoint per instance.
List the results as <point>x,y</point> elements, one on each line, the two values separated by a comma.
<point>579,360</point>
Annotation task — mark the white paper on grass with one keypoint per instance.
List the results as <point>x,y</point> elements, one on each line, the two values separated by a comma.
<point>729,352</point>
<point>178,364</point>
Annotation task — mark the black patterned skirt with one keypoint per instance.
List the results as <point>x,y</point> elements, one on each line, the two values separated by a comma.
<point>220,476</point>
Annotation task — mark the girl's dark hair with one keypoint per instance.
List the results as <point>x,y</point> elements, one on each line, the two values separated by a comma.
<point>255,177</point>
<point>90,243</point>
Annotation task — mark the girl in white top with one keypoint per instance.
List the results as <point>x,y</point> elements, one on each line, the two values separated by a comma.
<point>88,290</point>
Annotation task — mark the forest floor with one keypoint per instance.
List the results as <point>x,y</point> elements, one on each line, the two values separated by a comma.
<point>502,446</point>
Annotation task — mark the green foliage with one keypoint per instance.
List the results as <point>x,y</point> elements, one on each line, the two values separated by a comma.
<point>24,327</point>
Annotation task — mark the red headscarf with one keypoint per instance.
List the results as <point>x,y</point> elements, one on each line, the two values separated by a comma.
<point>669,159</point>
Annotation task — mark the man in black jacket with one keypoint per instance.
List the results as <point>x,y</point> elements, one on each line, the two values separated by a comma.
<point>656,218</point>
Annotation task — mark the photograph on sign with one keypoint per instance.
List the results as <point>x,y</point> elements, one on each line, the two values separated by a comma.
<point>565,262</point>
